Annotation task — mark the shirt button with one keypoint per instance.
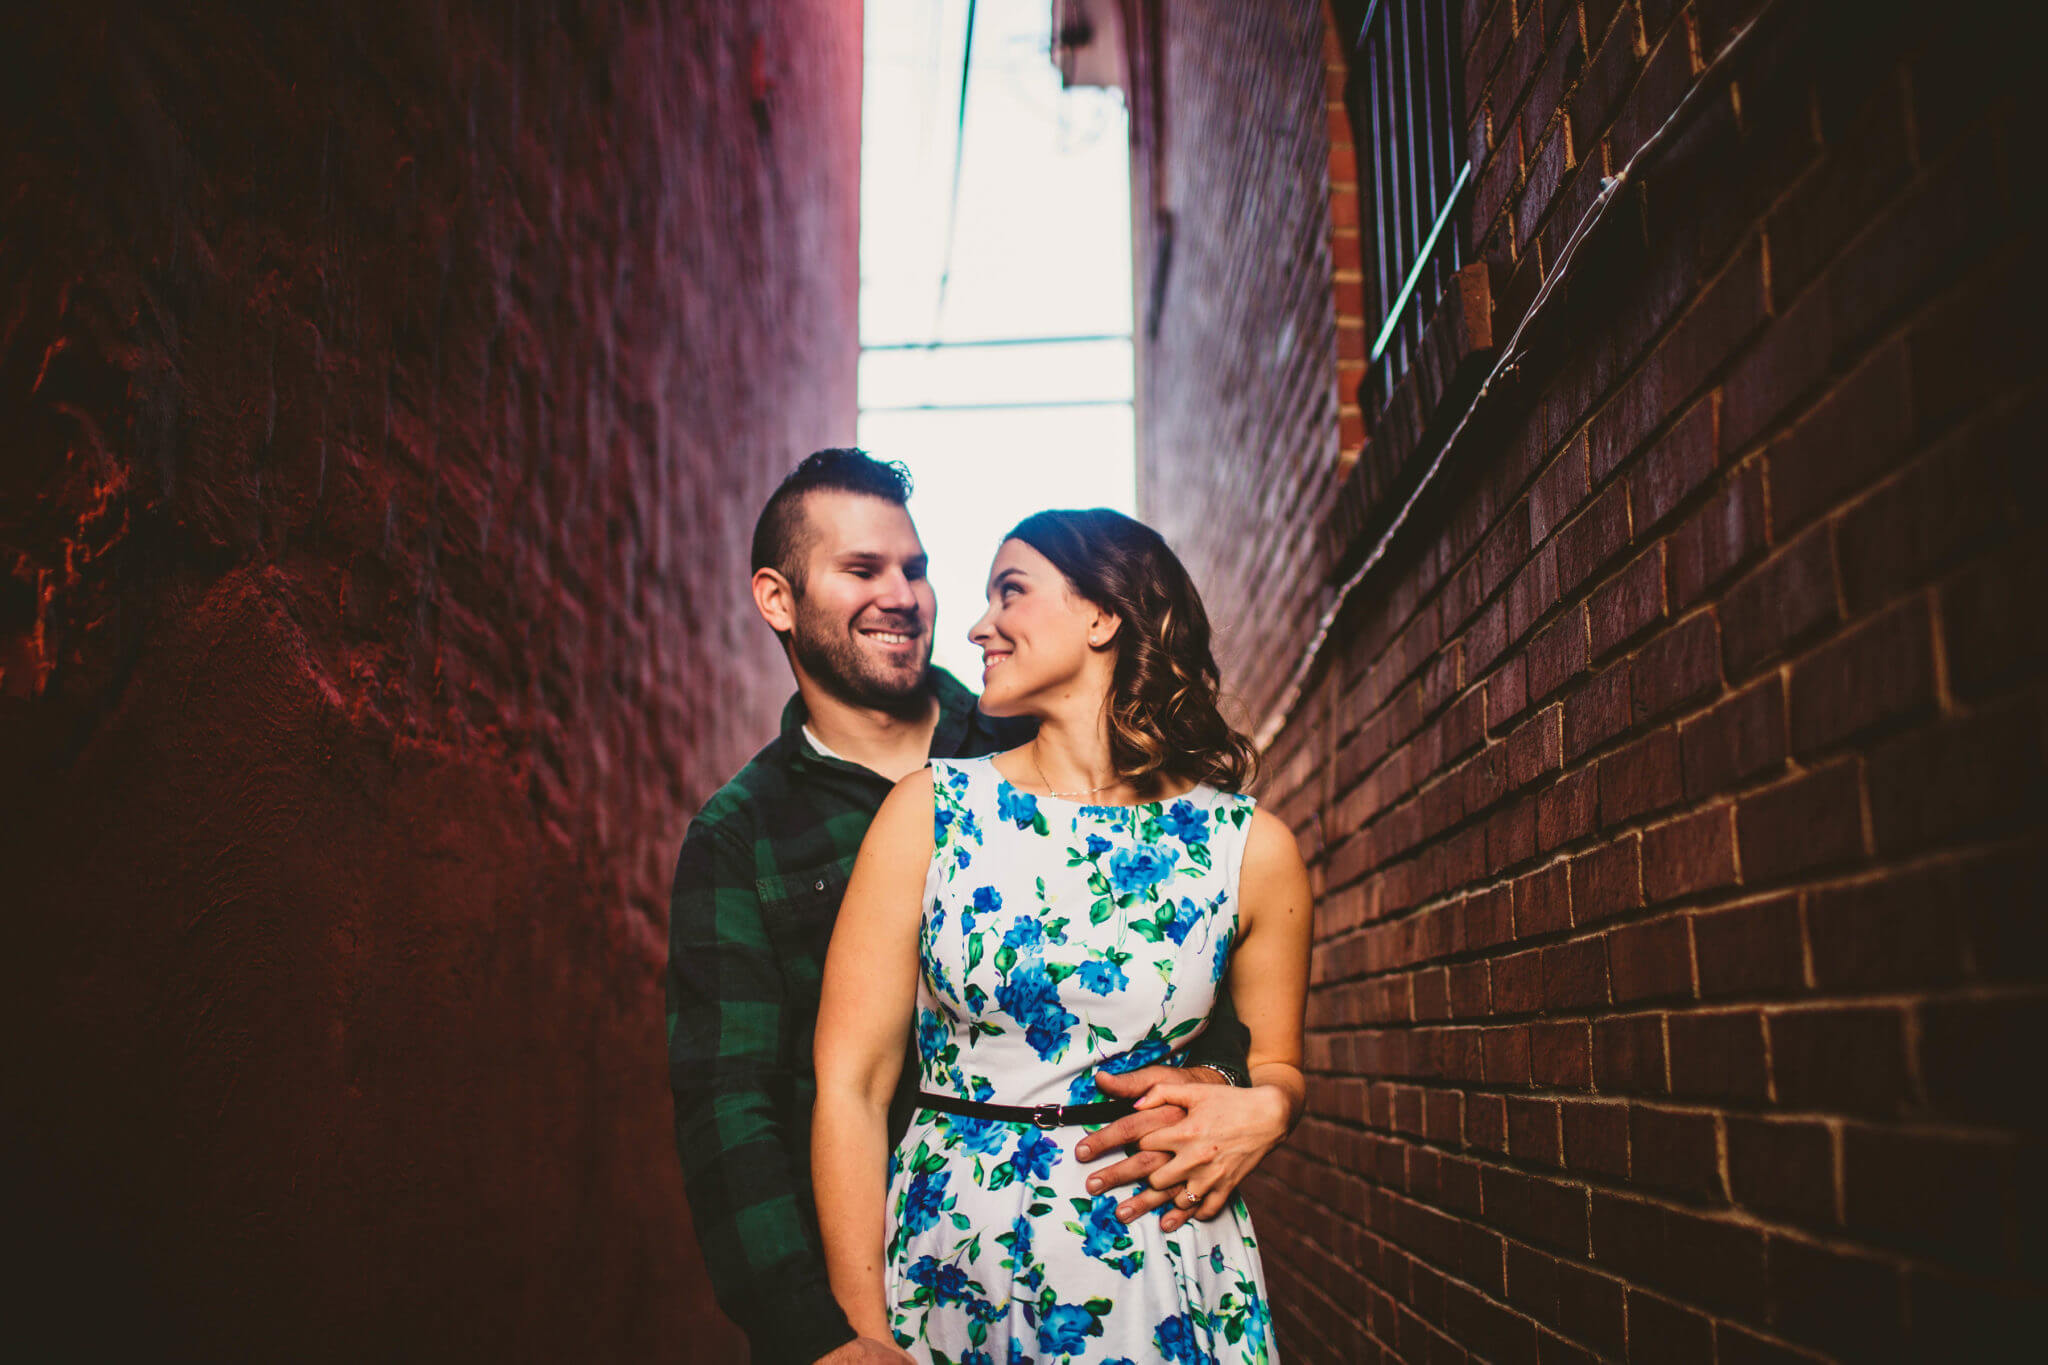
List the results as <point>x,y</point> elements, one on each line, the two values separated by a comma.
<point>819,887</point>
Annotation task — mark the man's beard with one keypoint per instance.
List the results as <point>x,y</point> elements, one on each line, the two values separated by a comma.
<point>829,652</point>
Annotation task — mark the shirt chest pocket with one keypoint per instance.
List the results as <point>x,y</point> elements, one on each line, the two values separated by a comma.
<point>798,909</point>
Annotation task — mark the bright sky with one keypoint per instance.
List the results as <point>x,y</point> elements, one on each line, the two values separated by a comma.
<point>1041,248</point>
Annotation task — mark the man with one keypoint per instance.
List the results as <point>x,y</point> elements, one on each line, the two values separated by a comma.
<point>839,574</point>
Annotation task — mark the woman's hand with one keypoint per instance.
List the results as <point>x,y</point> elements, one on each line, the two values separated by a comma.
<point>1227,1132</point>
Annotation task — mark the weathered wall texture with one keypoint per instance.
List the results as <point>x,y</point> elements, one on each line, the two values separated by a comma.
<point>1675,788</point>
<point>385,395</point>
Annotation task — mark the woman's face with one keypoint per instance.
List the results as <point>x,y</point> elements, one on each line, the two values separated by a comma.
<point>1041,642</point>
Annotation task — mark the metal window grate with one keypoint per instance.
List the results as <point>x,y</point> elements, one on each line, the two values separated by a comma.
<point>1402,93</point>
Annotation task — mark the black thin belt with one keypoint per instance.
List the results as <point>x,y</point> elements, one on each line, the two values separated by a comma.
<point>1038,1115</point>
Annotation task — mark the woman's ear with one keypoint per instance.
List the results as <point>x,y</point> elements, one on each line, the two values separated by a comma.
<point>775,599</point>
<point>1102,628</point>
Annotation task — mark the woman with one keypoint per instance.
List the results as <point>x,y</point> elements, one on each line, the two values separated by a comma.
<point>1071,905</point>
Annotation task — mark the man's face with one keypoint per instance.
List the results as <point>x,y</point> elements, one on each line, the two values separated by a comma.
<point>864,610</point>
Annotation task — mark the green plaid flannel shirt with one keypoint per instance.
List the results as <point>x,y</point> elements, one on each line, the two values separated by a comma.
<point>757,889</point>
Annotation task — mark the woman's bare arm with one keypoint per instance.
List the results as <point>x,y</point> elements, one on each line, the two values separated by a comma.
<point>864,1014</point>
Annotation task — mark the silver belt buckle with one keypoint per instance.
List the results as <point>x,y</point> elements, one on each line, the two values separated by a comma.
<point>1045,1115</point>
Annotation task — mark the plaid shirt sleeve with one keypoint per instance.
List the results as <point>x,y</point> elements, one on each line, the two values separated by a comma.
<point>730,1073</point>
<point>1226,1040</point>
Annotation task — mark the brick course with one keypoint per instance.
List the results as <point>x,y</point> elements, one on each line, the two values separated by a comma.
<point>1733,577</point>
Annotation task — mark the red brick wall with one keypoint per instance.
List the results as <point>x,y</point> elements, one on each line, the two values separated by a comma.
<point>385,396</point>
<point>1675,786</point>
<point>1254,440</point>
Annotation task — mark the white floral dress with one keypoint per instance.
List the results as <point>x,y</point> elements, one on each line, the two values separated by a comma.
<point>1060,939</point>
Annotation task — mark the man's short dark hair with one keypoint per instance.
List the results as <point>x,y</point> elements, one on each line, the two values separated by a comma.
<point>781,541</point>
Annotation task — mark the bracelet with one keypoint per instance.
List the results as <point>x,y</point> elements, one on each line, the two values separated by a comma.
<point>1230,1074</point>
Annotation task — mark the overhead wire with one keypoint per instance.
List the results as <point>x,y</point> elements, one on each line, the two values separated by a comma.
<point>953,199</point>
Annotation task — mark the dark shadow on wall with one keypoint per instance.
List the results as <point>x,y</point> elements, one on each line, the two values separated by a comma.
<point>385,394</point>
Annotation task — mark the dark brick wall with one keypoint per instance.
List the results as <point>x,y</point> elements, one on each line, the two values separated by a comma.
<point>1675,786</point>
<point>1253,442</point>
<point>385,395</point>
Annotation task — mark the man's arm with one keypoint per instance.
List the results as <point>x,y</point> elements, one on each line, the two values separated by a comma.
<point>727,1062</point>
<point>1226,1040</point>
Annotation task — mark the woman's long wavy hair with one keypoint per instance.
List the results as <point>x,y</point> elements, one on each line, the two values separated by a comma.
<point>1163,716</point>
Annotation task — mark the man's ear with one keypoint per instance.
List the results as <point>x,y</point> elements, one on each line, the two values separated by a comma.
<point>775,599</point>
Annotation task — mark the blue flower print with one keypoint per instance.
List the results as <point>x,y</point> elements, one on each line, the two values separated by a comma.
<point>942,816</point>
<point>926,1200</point>
<point>1025,1269</point>
<point>1020,1247</point>
<point>977,1358</point>
<point>1019,808</point>
<point>1029,996</point>
<point>1184,917</point>
<point>1104,1234</point>
<point>931,1035</point>
<point>1097,845</point>
<point>961,858</point>
<point>1258,1319</point>
<point>1036,1155</point>
<point>1136,870</point>
<point>1102,976</point>
<point>1185,822</point>
<point>1175,1338</point>
<point>956,779</point>
<point>1222,959</point>
<point>1017,1356</point>
<point>1064,1329</point>
<point>1144,1054</point>
<point>984,1136</point>
<point>987,900</point>
<point>970,828</point>
<point>948,1282</point>
<point>934,970</point>
<point>1024,933</point>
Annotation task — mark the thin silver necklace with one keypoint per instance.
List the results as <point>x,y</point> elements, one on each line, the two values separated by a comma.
<point>1044,782</point>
